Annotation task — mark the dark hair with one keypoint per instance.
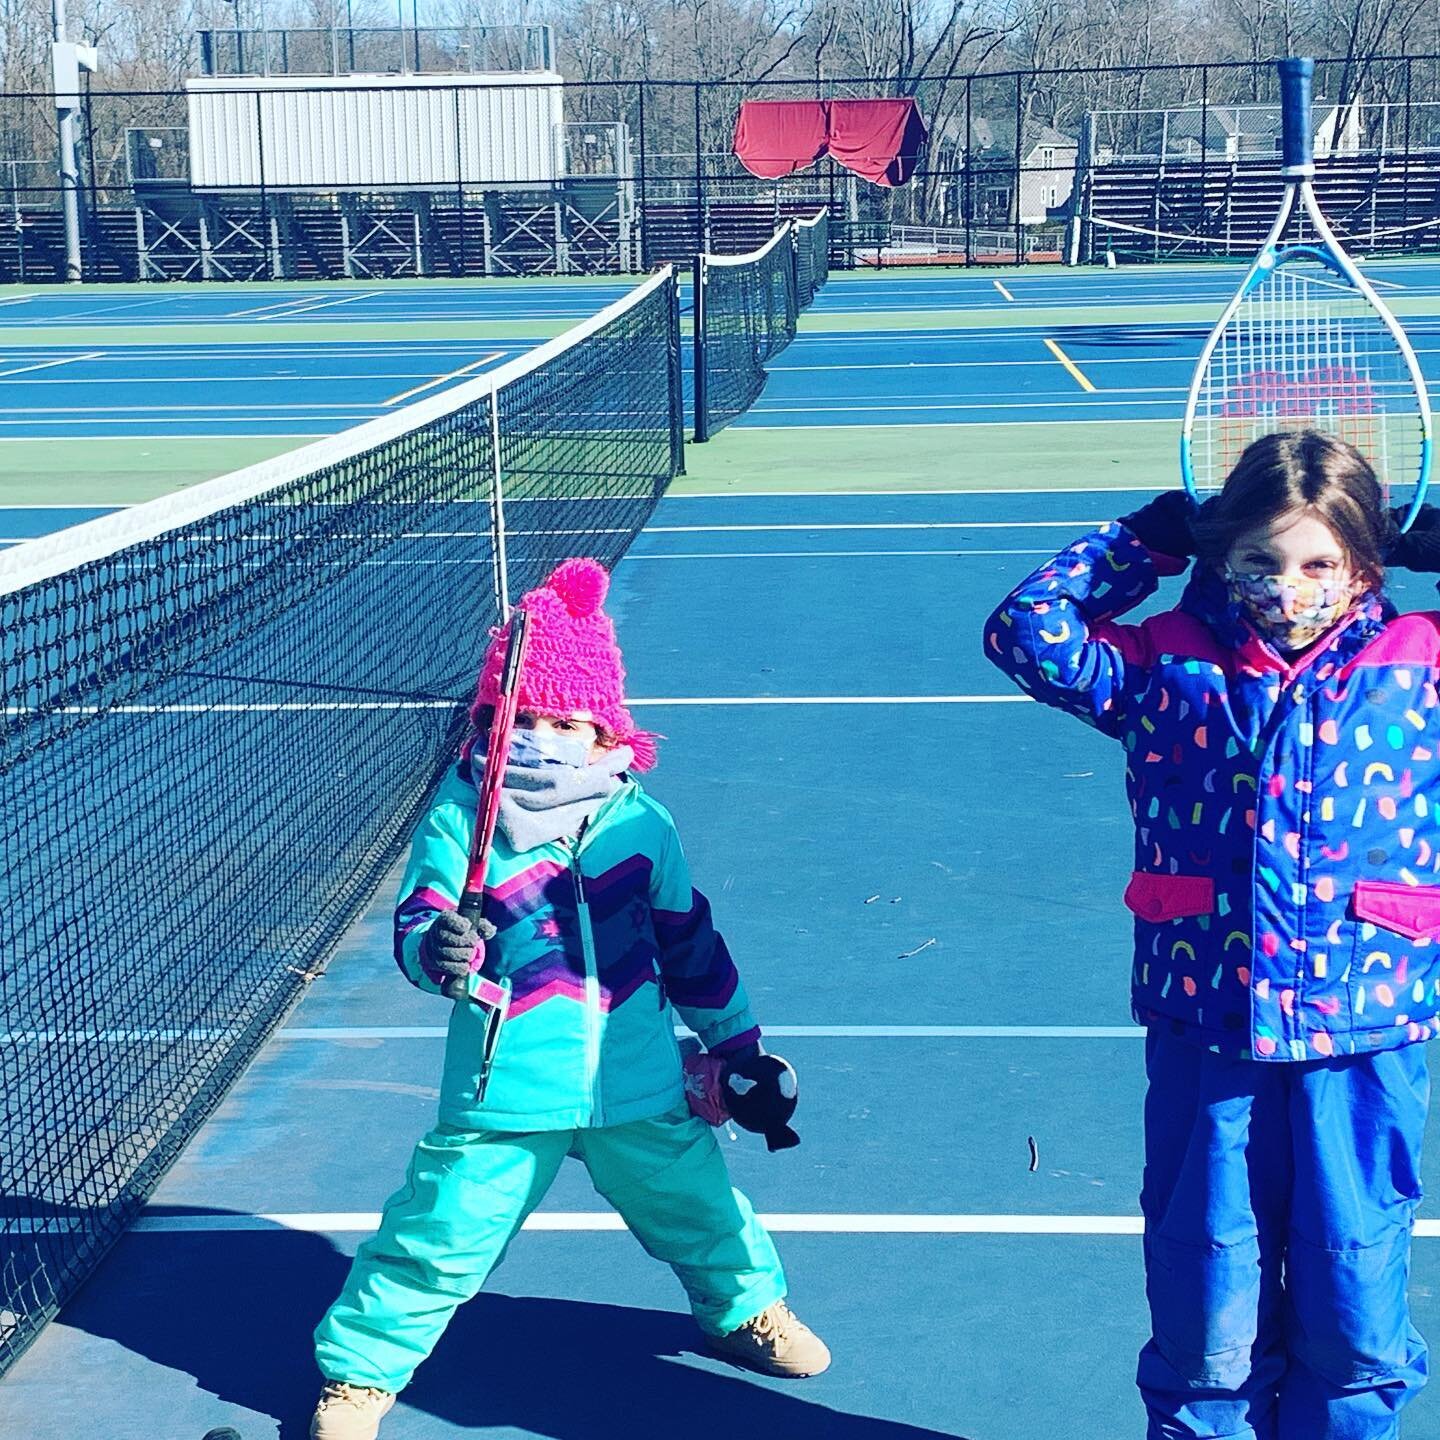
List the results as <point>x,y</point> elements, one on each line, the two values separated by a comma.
<point>1301,470</point>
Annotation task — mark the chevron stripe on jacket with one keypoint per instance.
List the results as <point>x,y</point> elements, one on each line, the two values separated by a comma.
<point>604,941</point>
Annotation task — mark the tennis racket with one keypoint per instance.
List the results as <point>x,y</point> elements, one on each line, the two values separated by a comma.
<point>1307,344</point>
<point>491,994</point>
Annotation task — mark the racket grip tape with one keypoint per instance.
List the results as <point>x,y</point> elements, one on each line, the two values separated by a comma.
<point>1296,77</point>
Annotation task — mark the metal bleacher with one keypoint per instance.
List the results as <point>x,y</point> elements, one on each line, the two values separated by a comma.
<point>1152,210</point>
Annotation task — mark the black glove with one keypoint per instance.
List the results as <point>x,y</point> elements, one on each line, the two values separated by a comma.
<point>1418,548</point>
<point>449,944</point>
<point>1164,524</point>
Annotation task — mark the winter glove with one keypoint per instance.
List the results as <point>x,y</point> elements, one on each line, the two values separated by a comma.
<point>452,948</point>
<point>703,1073</point>
<point>1418,548</point>
<point>1163,525</point>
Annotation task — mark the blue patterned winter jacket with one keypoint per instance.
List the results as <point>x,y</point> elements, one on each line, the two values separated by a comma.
<point>1286,889</point>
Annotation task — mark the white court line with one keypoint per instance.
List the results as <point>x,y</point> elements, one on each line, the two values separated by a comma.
<point>1002,289</point>
<point>256,415</point>
<point>281,305</point>
<point>811,554</point>
<point>877,525</point>
<point>330,304</point>
<point>453,375</point>
<point>1091,362</point>
<point>340,1034</point>
<point>301,706</point>
<point>1059,403</point>
<point>955,424</point>
<point>189,409</point>
<point>50,364</point>
<point>365,1221</point>
<point>747,496</point>
<point>842,700</point>
<point>314,378</point>
<point>18,299</point>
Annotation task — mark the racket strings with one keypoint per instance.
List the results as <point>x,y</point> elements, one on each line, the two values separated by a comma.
<point>1306,350</point>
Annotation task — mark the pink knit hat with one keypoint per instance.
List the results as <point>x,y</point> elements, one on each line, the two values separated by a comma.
<point>572,662</point>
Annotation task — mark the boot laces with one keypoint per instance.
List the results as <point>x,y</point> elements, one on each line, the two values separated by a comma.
<point>773,1324</point>
<point>341,1392</point>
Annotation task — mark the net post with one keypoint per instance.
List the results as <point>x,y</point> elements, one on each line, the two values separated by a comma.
<point>793,226</point>
<point>697,320</point>
<point>793,275</point>
<point>677,384</point>
<point>497,512</point>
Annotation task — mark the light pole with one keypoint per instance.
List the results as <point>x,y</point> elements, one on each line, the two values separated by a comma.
<point>66,61</point>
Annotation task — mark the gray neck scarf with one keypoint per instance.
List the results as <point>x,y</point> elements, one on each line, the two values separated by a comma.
<point>549,802</point>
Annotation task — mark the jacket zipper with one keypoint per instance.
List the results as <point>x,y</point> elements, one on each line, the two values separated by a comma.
<point>592,982</point>
<point>1293,698</point>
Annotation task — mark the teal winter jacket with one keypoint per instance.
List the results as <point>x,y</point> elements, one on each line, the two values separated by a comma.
<point>604,940</point>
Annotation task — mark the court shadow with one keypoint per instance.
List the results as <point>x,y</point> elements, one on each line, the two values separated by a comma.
<point>235,1311</point>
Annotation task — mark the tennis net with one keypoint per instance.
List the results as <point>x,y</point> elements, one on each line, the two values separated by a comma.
<point>746,311</point>
<point>812,257</point>
<point>223,712</point>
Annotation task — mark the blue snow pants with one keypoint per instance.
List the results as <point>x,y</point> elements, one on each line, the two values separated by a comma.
<point>1278,1201</point>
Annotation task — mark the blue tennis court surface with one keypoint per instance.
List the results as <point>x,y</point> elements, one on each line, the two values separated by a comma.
<point>919,873</point>
<point>883,371</point>
<point>357,303</point>
<point>861,799</point>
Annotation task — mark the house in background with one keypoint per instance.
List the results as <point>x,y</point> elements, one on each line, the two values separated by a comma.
<point>1233,132</point>
<point>1047,172</point>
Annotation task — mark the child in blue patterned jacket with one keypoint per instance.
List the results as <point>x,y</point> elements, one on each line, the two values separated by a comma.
<point>603,940</point>
<point>1281,729</point>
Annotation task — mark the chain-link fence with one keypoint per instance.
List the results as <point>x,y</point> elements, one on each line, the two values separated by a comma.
<point>244,175</point>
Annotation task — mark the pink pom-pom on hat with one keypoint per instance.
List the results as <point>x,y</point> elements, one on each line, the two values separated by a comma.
<point>572,662</point>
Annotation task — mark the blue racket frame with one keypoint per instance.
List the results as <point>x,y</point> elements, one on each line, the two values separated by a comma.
<point>1296,76</point>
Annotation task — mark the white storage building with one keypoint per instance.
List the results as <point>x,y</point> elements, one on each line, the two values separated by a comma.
<point>365,132</point>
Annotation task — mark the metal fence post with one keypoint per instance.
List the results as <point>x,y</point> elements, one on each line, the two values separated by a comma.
<point>497,512</point>
<point>697,320</point>
<point>459,174</point>
<point>264,197</point>
<point>677,380</point>
<point>644,216</point>
<point>1405,180</point>
<point>1204,138</point>
<point>968,202</point>
<point>1019,196</point>
<point>699,175</point>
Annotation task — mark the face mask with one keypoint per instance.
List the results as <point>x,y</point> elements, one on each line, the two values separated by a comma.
<point>530,750</point>
<point>1291,611</point>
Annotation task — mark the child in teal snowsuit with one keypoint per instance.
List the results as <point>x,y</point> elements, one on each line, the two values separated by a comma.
<point>603,940</point>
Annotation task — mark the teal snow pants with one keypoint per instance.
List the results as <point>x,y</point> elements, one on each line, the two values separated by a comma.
<point>467,1193</point>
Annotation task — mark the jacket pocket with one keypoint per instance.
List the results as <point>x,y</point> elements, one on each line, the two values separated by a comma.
<point>1409,910</point>
<point>1169,897</point>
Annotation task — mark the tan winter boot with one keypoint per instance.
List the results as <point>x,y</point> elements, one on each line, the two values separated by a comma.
<point>349,1412</point>
<point>774,1343</point>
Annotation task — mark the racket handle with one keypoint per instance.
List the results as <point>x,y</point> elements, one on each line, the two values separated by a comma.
<point>471,903</point>
<point>1296,76</point>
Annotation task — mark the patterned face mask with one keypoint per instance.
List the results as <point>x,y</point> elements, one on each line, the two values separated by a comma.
<point>1290,611</point>
<point>531,750</point>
